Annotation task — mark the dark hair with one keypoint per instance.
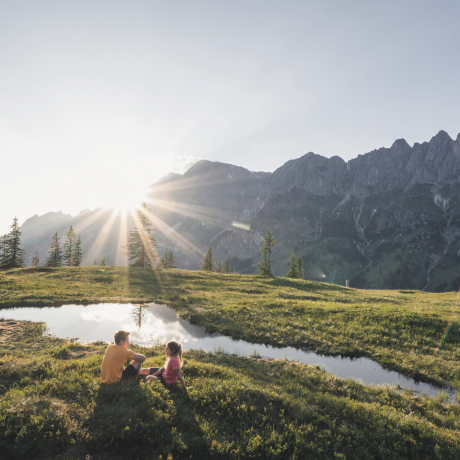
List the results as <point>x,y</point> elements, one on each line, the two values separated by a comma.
<point>121,335</point>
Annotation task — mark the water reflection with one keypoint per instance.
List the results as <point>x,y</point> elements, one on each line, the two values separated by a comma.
<point>153,323</point>
<point>138,314</point>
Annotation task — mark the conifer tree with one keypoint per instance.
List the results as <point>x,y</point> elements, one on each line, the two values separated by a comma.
<point>141,244</point>
<point>169,259</point>
<point>35,260</point>
<point>293,267</point>
<point>208,263</point>
<point>12,254</point>
<point>266,250</point>
<point>219,267</point>
<point>227,267</point>
<point>172,259</point>
<point>299,268</point>
<point>69,247</point>
<point>78,253</point>
<point>103,264</point>
<point>95,262</point>
<point>54,258</point>
<point>2,247</point>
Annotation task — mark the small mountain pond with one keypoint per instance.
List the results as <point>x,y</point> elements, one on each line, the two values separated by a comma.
<point>152,323</point>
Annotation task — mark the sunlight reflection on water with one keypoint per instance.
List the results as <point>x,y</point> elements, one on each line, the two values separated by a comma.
<point>152,324</point>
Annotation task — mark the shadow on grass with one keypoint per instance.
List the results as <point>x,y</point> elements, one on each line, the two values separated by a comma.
<point>137,419</point>
<point>302,286</point>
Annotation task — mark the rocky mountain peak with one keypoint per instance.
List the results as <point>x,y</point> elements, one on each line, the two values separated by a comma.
<point>209,172</point>
<point>442,136</point>
<point>400,145</point>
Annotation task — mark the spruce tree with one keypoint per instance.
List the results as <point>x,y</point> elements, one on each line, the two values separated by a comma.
<point>169,259</point>
<point>227,267</point>
<point>164,260</point>
<point>95,262</point>
<point>78,253</point>
<point>219,267</point>
<point>69,247</point>
<point>12,254</point>
<point>103,264</point>
<point>141,244</point>
<point>208,263</point>
<point>266,250</point>
<point>54,258</point>
<point>2,247</point>
<point>299,268</point>
<point>35,260</point>
<point>172,259</point>
<point>293,267</point>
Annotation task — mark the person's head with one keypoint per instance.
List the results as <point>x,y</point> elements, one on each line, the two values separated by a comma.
<point>174,349</point>
<point>121,338</point>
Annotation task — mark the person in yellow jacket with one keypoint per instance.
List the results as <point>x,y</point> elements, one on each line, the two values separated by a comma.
<point>112,369</point>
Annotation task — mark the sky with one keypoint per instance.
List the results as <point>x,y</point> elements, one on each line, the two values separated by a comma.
<point>100,99</point>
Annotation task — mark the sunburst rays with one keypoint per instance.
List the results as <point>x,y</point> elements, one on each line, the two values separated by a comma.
<point>102,236</point>
<point>167,199</point>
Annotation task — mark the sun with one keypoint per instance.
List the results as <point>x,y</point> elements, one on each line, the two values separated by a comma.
<point>126,198</point>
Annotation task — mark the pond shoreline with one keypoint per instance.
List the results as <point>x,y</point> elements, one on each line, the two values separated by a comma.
<point>339,365</point>
<point>53,406</point>
<point>398,331</point>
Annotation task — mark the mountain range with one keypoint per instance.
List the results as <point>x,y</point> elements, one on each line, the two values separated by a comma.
<point>388,219</point>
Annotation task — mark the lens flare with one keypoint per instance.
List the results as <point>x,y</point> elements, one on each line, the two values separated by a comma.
<point>449,325</point>
<point>241,225</point>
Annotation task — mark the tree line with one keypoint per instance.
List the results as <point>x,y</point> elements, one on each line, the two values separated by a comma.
<point>209,265</point>
<point>295,269</point>
<point>141,249</point>
<point>68,255</point>
<point>13,256</point>
<point>264,265</point>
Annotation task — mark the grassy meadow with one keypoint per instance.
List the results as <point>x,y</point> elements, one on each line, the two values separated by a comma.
<point>52,404</point>
<point>399,329</point>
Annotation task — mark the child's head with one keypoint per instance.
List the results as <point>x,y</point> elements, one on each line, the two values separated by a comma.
<point>121,338</point>
<point>174,349</point>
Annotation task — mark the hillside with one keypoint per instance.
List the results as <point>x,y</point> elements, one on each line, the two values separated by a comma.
<point>53,406</point>
<point>399,329</point>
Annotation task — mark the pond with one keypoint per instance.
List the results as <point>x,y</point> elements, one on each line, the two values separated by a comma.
<point>152,323</point>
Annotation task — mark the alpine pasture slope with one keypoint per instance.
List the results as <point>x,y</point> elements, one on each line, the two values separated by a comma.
<point>53,405</point>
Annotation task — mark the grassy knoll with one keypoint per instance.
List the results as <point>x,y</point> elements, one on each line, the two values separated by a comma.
<point>399,329</point>
<point>52,406</point>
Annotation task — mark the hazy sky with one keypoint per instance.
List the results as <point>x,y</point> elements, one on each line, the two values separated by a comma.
<point>101,97</point>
